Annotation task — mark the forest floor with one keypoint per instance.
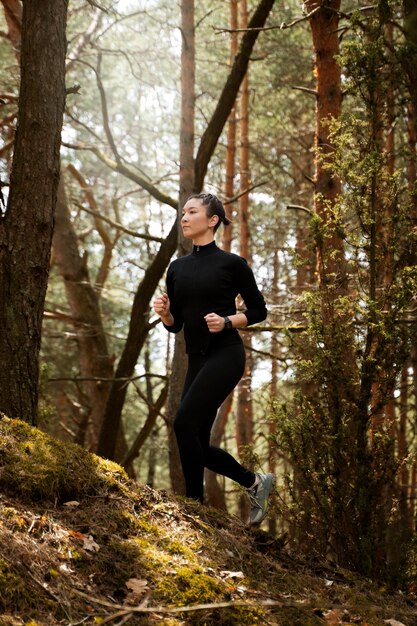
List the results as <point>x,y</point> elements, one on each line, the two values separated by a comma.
<point>82,544</point>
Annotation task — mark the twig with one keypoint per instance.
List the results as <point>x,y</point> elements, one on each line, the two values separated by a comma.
<point>303,18</point>
<point>104,380</point>
<point>297,207</point>
<point>93,3</point>
<point>312,92</point>
<point>243,193</point>
<point>124,610</point>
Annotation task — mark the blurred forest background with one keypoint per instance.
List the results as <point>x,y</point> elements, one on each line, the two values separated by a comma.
<point>302,118</point>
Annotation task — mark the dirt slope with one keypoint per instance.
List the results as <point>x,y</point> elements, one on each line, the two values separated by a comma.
<point>81,544</point>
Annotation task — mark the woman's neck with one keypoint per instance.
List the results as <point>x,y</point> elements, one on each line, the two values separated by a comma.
<point>203,241</point>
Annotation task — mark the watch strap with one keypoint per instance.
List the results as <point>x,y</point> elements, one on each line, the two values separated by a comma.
<point>227,322</point>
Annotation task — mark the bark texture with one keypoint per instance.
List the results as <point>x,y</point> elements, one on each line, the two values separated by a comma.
<point>27,226</point>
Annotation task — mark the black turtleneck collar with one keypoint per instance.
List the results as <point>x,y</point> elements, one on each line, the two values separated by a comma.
<point>206,249</point>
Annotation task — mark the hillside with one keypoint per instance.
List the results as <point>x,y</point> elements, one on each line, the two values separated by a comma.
<point>81,544</point>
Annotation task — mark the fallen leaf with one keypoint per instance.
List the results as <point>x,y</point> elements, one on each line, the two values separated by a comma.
<point>90,544</point>
<point>72,503</point>
<point>137,586</point>
<point>137,589</point>
<point>393,622</point>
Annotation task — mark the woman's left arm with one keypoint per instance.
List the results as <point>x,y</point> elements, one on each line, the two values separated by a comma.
<point>256,310</point>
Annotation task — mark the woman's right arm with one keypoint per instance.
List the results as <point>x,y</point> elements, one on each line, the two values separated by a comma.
<point>166,307</point>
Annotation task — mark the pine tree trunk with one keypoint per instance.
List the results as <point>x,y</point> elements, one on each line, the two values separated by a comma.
<point>324,29</point>
<point>27,226</point>
<point>244,409</point>
<point>215,494</point>
<point>231,137</point>
<point>179,363</point>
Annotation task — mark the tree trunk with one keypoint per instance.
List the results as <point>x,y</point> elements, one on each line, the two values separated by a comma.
<point>138,331</point>
<point>27,226</point>
<point>410,59</point>
<point>231,138</point>
<point>272,451</point>
<point>324,29</point>
<point>244,410</point>
<point>215,494</point>
<point>179,364</point>
<point>95,361</point>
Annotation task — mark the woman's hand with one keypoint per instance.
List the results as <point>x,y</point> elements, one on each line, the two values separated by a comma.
<point>215,323</point>
<point>161,306</point>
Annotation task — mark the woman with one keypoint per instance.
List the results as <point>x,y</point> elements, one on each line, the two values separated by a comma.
<point>201,297</point>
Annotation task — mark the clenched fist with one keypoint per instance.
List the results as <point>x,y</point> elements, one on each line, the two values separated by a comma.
<point>161,306</point>
<point>215,323</point>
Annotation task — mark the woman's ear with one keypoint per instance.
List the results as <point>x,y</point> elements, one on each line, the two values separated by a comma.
<point>214,220</point>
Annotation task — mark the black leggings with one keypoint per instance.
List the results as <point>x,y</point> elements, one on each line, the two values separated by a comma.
<point>210,378</point>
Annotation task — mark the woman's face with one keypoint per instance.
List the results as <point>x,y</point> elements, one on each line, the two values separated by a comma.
<point>194,222</point>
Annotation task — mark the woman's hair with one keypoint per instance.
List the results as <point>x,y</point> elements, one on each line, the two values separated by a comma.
<point>213,207</point>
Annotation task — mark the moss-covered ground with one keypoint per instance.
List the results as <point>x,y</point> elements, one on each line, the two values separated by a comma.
<point>82,544</point>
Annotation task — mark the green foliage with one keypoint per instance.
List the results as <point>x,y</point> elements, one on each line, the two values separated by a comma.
<point>338,427</point>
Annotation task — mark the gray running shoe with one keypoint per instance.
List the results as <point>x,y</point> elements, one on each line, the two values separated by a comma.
<point>259,498</point>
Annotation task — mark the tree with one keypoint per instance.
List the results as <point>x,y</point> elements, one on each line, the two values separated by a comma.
<point>27,224</point>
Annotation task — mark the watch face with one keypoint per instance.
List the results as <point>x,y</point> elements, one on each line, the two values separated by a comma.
<point>227,323</point>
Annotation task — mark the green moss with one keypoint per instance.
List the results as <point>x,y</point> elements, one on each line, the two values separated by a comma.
<point>189,585</point>
<point>176,547</point>
<point>35,466</point>
<point>128,523</point>
<point>13,519</point>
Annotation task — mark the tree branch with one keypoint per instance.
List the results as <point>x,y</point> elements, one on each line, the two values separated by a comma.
<point>126,171</point>
<point>228,96</point>
<point>85,38</point>
<point>120,227</point>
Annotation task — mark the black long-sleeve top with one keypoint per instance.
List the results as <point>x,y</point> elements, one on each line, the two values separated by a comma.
<point>208,281</point>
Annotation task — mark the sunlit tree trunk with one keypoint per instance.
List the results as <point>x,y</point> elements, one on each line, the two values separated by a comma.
<point>231,138</point>
<point>27,226</point>
<point>324,29</point>
<point>179,363</point>
<point>215,494</point>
